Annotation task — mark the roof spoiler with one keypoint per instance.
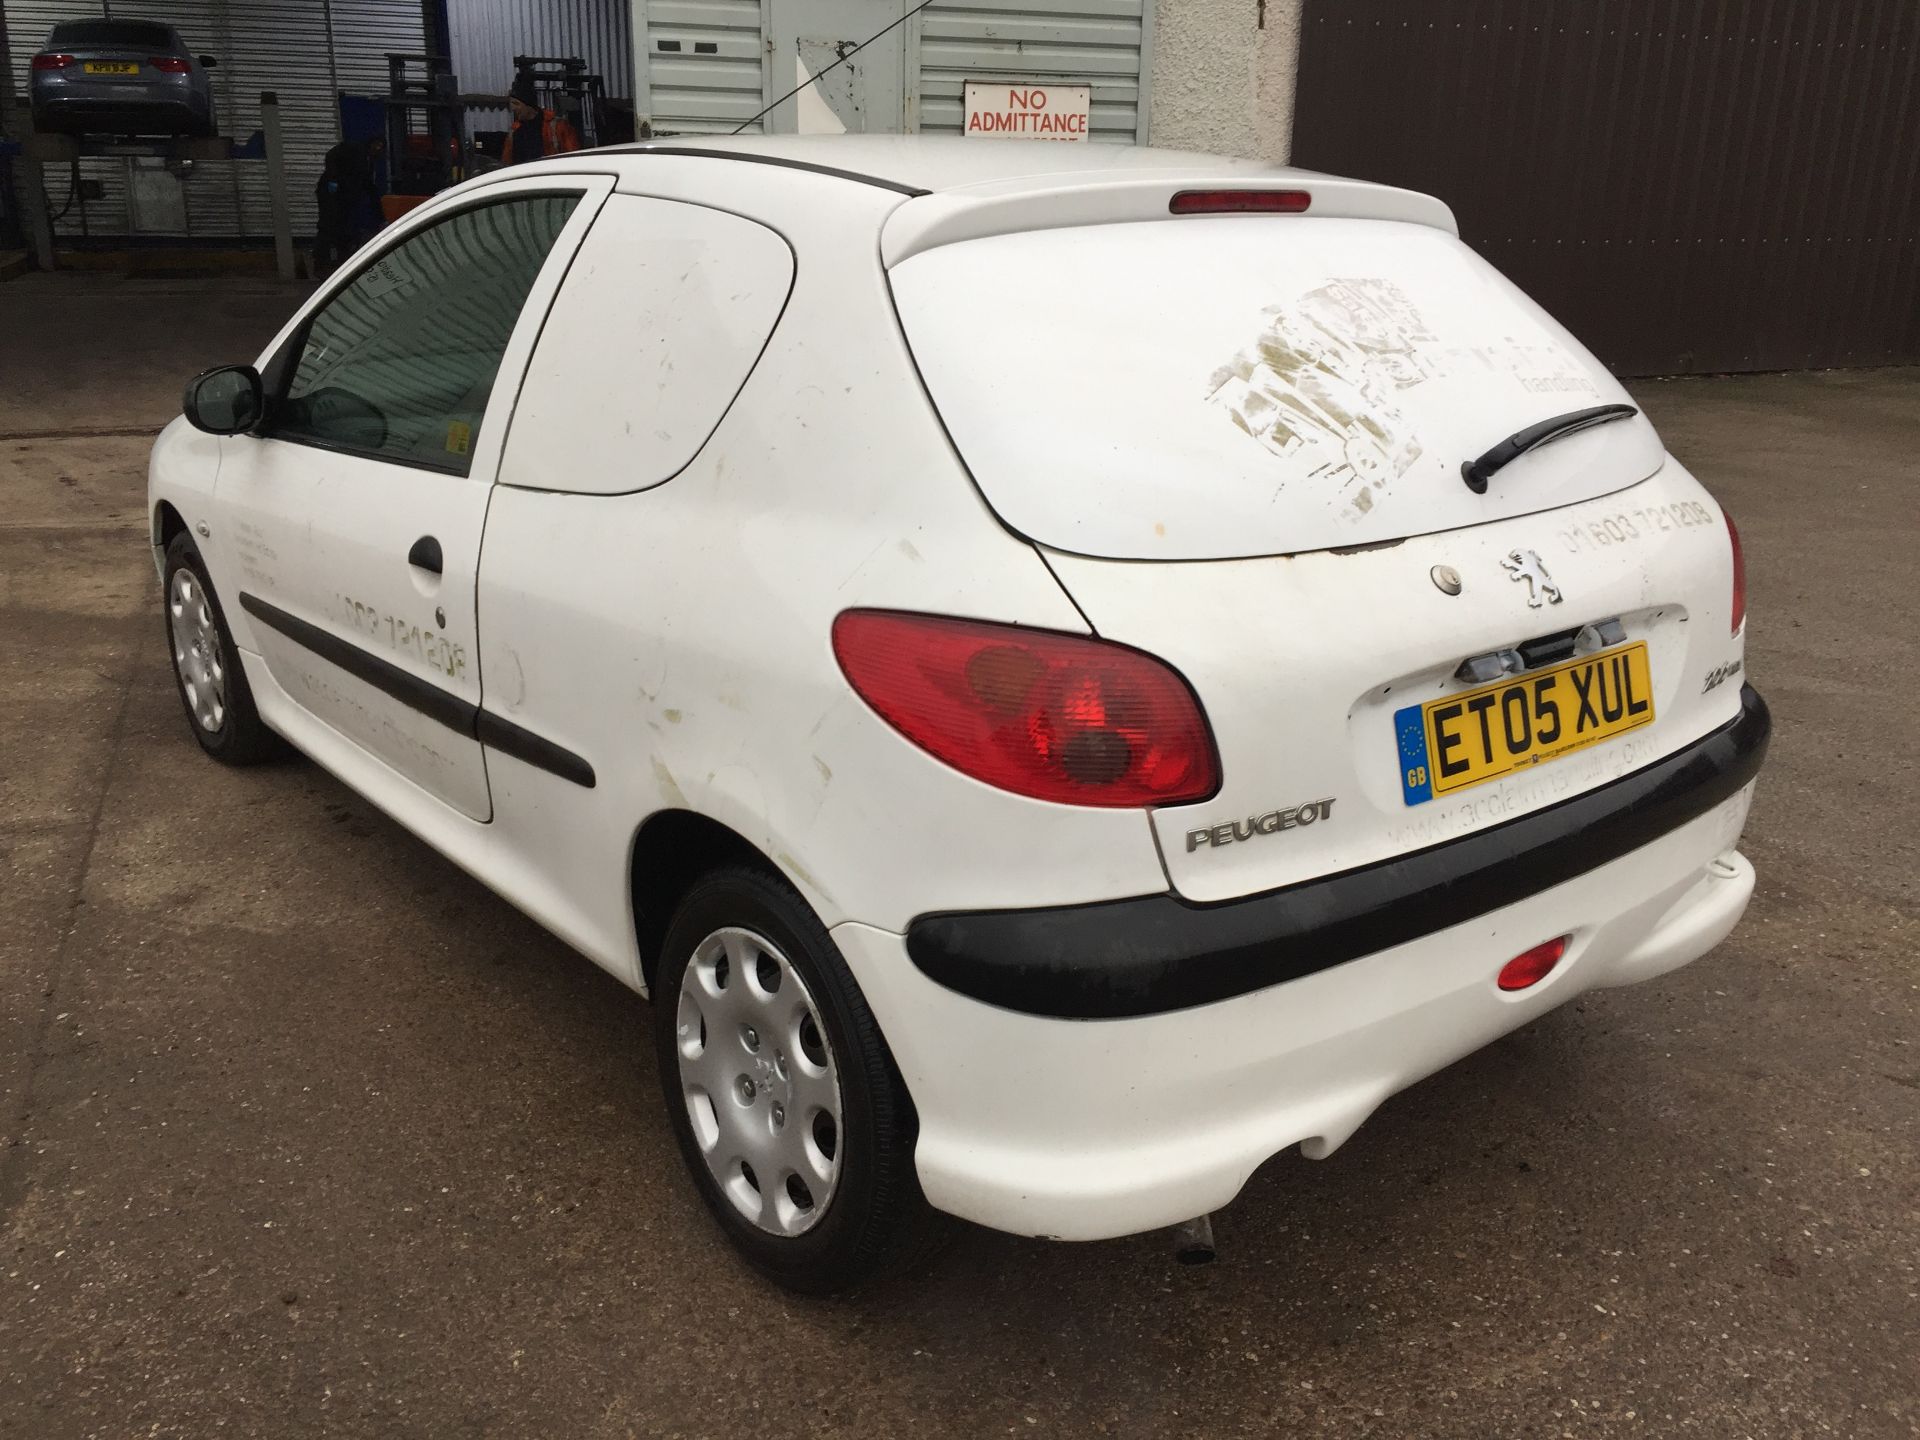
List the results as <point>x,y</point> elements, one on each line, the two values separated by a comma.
<point>1002,207</point>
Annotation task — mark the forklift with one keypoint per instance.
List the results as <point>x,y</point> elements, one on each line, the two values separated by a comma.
<point>425,124</point>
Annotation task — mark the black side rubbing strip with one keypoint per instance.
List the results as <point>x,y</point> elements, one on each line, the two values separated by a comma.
<point>430,700</point>
<point>1159,953</point>
<point>410,690</point>
<point>510,739</point>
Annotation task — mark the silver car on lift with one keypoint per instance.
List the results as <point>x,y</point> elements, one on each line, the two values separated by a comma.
<point>120,77</point>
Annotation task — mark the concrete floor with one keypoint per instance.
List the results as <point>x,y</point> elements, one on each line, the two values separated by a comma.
<point>302,1131</point>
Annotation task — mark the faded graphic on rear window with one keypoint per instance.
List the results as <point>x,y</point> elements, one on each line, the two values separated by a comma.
<point>1319,385</point>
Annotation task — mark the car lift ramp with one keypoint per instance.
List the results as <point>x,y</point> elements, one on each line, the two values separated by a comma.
<point>38,150</point>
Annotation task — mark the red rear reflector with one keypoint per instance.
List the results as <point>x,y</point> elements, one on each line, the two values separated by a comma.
<point>171,64</point>
<point>52,62</point>
<point>1057,717</point>
<point>1239,202</point>
<point>1739,574</point>
<point>1530,967</point>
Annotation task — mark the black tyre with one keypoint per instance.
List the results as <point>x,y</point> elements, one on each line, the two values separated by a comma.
<point>206,666</point>
<point>789,1111</point>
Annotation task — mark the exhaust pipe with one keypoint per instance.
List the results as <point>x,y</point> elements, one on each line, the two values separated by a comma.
<point>1193,1241</point>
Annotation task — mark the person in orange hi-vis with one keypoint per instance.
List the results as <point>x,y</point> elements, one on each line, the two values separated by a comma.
<point>535,131</point>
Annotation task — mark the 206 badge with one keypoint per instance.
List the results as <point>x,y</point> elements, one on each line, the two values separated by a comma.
<point>1526,565</point>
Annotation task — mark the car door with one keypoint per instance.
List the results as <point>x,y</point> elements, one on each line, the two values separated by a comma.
<point>354,512</point>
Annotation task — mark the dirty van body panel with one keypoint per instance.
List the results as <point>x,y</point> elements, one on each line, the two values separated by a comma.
<point>1221,387</point>
<point>1307,666</point>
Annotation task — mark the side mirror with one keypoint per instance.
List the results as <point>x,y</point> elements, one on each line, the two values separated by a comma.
<point>226,400</point>
<point>207,62</point>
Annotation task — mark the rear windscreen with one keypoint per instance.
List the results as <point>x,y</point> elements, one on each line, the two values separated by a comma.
<point>1211,388</point>
<point>127,34</point>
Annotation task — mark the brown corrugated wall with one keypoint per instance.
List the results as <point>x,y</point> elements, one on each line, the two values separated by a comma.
<point>1688,185</point>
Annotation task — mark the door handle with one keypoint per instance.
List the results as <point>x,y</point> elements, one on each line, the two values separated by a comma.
<point>425,554</point>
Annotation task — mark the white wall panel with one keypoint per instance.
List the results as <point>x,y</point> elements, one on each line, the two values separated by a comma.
<point>1097,43</point>
<point>704,65</point>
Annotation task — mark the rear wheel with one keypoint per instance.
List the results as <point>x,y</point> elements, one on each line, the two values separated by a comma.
<point>206,666</point>
<point>789,1112</point>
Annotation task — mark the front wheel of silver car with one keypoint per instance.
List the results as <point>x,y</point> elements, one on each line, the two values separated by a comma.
<point>788,1108</point>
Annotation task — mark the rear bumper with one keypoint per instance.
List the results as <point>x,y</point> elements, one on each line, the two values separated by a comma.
<point>160,110</point>
<point>1082,1130</point>
<point>1159,953</point>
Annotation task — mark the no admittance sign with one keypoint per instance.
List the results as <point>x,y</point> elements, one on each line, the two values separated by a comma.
<point>1027,112</point>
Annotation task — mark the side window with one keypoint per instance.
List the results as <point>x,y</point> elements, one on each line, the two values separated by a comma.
<point>661,319</point>
<point>399,364</point>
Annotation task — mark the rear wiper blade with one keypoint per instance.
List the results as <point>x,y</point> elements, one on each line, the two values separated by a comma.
<point>1477,472</point>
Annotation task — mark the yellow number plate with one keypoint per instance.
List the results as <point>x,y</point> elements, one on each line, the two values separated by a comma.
<point>111,67</point>
<point>1466,739</point>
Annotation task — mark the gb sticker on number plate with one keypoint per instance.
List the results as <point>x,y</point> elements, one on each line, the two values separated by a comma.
<point>1525,720</point>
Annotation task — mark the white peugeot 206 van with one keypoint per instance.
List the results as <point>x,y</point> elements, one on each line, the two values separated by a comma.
<point>1063,670</point>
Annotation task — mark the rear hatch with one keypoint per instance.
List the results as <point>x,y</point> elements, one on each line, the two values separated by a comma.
<point>1240,442</point>
<point>115,52</point>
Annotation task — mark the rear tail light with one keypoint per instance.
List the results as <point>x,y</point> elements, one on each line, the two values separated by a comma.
<point>170,64</point>
<point>1057,717</point>
<point>1530,967</point>
<point>52,62</point>
<point>1240,202</point>
<point>1739,574</point>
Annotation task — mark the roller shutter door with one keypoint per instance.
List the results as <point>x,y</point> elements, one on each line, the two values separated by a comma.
<point>487,34</point>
